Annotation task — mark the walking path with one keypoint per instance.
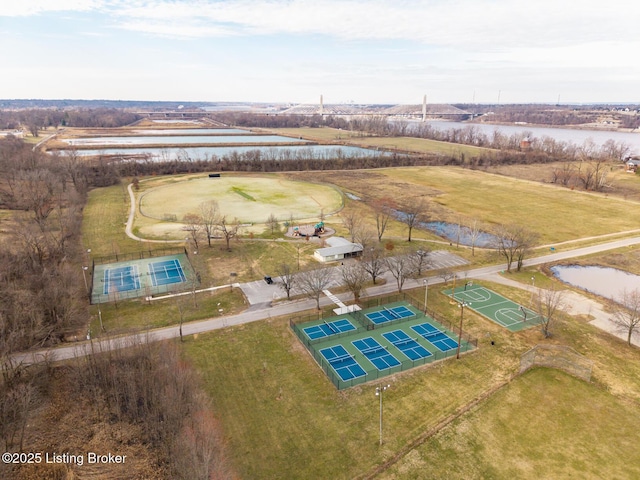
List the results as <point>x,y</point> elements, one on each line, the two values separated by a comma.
<point>263,311</point>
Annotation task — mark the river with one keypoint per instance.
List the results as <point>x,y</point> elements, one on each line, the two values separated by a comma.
<point>569,135</point>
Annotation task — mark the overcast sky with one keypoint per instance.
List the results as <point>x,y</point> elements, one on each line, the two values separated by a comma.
<point>361,51</point>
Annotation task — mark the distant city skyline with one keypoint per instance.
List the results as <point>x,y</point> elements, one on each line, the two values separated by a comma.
<point>350,51</point>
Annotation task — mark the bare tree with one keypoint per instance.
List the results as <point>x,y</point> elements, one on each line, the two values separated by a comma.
<point>400,267</point>
<point>514,242</point>
<point>383,211</point>
<point>626,312</point>
<point>354,277</point>
<point>229,230</point>
<point>564,174</point>
<point>528,240</point>
<point>285,271</point>
<point>313,282</point>
<point>209,213</point>
<point>373,262</point>
<point>352,220</point>
<point>549,301</point>
<point>192,224</point>
<point>419,260</point>
<point>474,235</point>
<point>364,236</point>
<point>272,223</point>
<point>414,213</point>
<point>446,274</point>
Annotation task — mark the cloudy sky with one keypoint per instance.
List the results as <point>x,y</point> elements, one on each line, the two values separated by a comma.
<point>362,51</point>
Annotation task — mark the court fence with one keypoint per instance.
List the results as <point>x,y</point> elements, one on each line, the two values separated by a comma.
<point>467,342</point>
<point>557,356</point>
<point>96,295</point>
<point>139,255</point>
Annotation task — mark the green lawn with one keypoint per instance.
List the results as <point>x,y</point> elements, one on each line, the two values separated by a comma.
<point>545,424</point>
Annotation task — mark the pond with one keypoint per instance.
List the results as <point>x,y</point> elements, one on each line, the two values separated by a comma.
<point>604,281</point>
<point>285,152</point>
<point>193,131</point>
<point>181,140</point>
<point>453,232</point>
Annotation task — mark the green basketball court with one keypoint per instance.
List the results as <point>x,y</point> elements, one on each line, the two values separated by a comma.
<point>495,307</point>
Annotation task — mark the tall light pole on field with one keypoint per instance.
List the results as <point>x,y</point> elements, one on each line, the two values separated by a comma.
<point>461,305</point>
<point>379,391</point>
<point>426,287</point>
<point>84,275</point>
<point>533,287</point>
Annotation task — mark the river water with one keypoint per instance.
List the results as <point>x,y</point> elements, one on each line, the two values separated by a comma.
<point>568,135</point>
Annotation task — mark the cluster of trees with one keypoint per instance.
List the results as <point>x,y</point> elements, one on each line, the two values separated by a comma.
<point>210,222</point>
<point>374,262</point>
<point>148,386</point>
<point>541,115</point>
<point>545,149</point>
<point>42,296</point>
<point>257,161</point>
<point>151,385</point>
<point>36,119</point>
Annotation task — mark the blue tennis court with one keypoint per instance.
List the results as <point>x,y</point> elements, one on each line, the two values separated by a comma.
<point>407,345</point>
<point>327,329</point>
<point>121,279</point>
<point>389,314</point>
<point>166,272</point>
<point>343,362</point>
<point>438,338</point>
<point>376,353</point>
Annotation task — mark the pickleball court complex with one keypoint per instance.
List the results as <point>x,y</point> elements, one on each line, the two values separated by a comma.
<point>140,275</point>
<point>384,338</point>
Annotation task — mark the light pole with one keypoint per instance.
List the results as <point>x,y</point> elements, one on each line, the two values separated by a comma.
<point>100,318</point>
<point>533,287</point>
<point>461,305</point>
<point>84,275</point>
<point>379,391</point>
<point>426,286</point>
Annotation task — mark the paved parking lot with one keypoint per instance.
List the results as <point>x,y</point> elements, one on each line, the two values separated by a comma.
<point>259,292</point>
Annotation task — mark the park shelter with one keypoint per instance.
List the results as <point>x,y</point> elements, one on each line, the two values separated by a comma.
<point>339,248</point>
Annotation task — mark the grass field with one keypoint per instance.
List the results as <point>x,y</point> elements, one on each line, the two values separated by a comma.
<point>525,431</point>
<point>458,194</point>
<point>284,419</point>
<point>251,199</point>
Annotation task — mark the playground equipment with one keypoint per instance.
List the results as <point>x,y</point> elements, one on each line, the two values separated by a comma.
<point>308,230</point>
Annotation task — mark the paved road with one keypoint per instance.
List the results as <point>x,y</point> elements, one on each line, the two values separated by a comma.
<point>291,308</point>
